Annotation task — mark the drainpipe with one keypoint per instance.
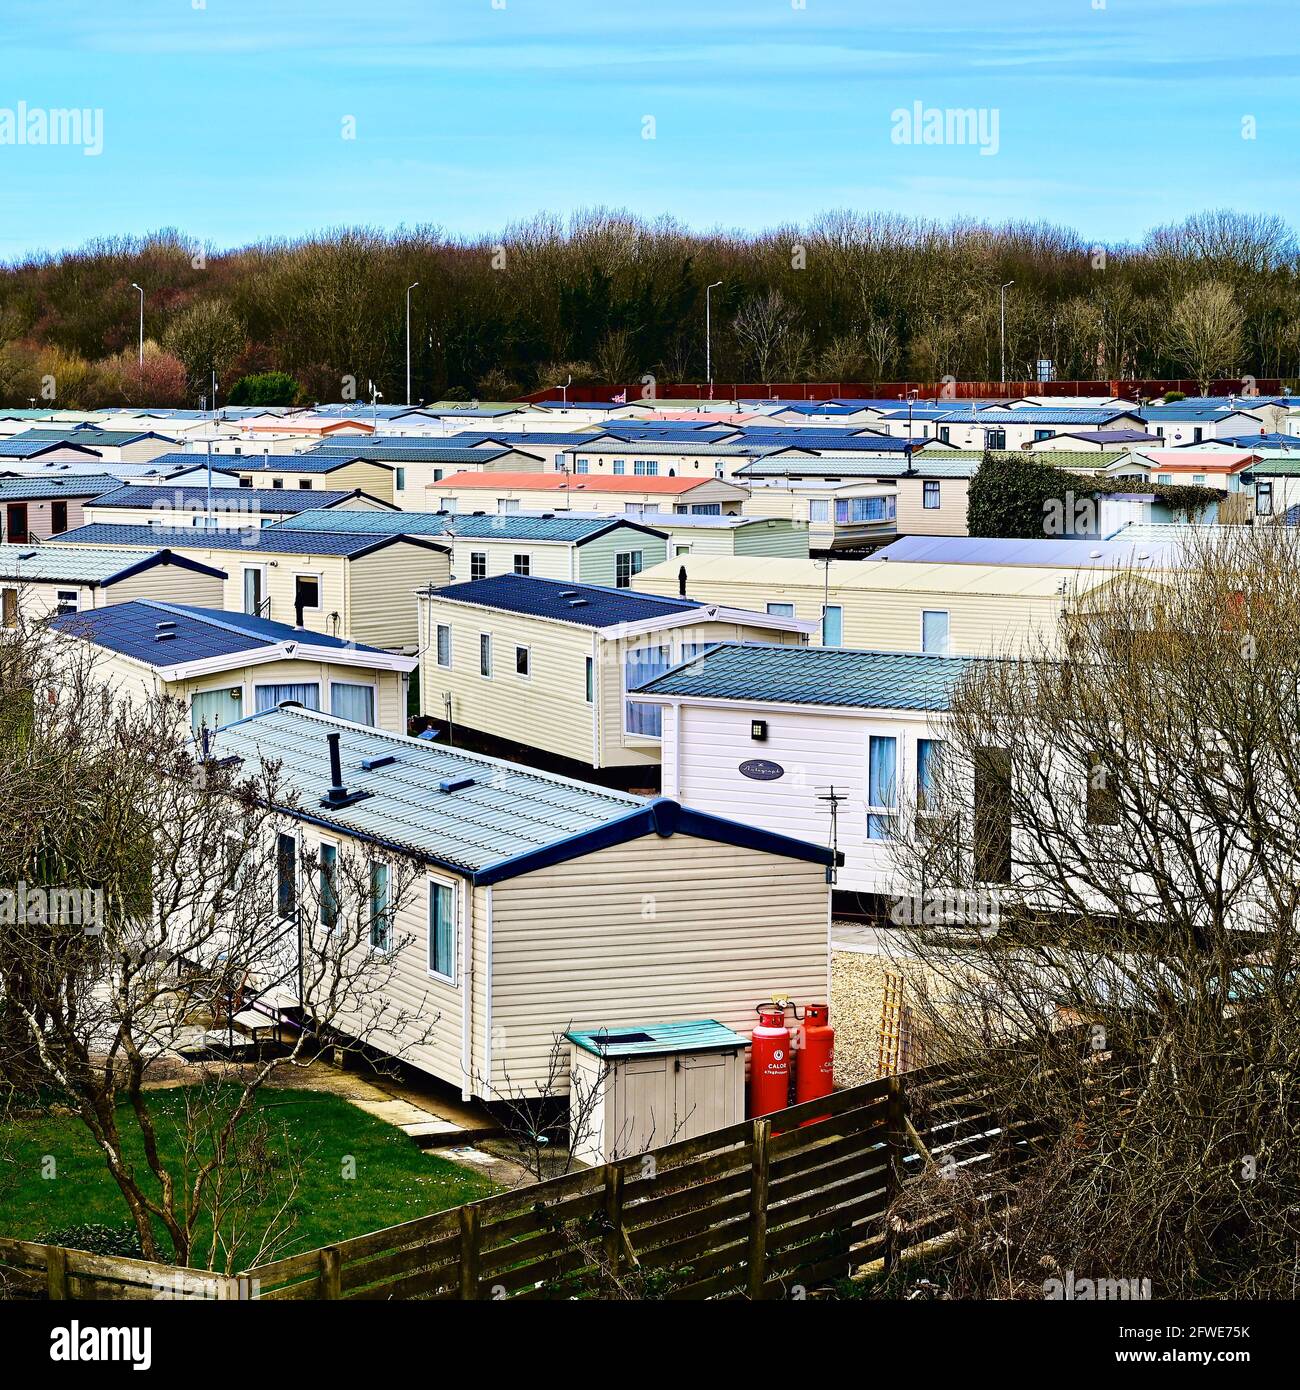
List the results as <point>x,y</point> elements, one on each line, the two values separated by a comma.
<point>467,992</point>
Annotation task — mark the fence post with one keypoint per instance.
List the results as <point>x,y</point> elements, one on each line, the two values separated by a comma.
<point>758,1209</point>
<point>895,1114</point>
<point>614,1217</point>
<point>331,1272</point>
<point>469,1252</point>
<point>56,1272</point>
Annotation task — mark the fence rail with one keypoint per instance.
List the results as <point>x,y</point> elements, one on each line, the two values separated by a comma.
<point>752,1210</point>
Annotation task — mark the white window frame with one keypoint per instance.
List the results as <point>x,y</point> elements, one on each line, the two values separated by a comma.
<point>528,660</point>
<point>527,557</point>
<point>947,613</point>
<point>67,601</point>
<point>438,629</point>
<point>485,636</point>
<point>431,882</point>
<point>263,587</point>
<point>267,685</point>
<point>371,686</point>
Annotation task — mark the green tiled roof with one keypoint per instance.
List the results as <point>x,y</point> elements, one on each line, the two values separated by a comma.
<point>815,676</point>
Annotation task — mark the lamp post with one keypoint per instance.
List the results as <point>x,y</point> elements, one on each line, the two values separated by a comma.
<point>1005,288</point>
<point>911,398</point>
<point>708,334</point>
<point>137,288</point>
<point>409,288</point>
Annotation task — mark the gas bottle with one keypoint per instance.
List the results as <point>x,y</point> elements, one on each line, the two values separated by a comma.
<point>769,1062</point>
<point>814,1073</point>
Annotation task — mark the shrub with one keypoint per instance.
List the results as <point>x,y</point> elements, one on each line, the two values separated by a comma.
<point>265,388</point>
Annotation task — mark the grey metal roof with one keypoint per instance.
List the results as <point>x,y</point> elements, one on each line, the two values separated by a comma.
<point>39,487</point>
<point>815,676</point>
<point>505,526</point>
<point>508,809</point>
<point>267,538</point>
<point>482,816</point>
<point>1044,552</point>
<point>75,564</point>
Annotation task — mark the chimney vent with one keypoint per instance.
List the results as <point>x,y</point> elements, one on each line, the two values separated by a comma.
<point>338,795</point>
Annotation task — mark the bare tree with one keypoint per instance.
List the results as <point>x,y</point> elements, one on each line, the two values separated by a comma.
<point>1204,332</point>
<point>764,326</point>
<point>1119,826</point>
<point>172,896</point>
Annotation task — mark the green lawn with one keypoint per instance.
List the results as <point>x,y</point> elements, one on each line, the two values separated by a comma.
<point>393,1180</point>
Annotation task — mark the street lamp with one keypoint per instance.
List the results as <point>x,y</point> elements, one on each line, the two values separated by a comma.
<point>911,398</point>
<point>708,334</point>
<point>134,286</point>
<point>409,288</point>
<point>1005,288</point>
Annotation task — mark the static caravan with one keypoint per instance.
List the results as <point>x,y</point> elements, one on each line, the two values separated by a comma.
<point>732,535</point>
<point>630,496</point>
<point>945,610</point>
<point>840,514</point>
<point>357,587</point>
<point>768,731</point>
<point>226,665</point>
<point>184,508</point>
<point>587,547</point>
<point>111,446</point>
<point>592,549</point>
<point>655,458</point>
<point>332,472</point>
<point>417,462</point>
<point>544,667</point>
<point>33,508</point>
<point>543,904</point>
<point>36,581</point>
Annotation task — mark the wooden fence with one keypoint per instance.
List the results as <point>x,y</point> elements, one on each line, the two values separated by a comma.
<point>753,1210</point>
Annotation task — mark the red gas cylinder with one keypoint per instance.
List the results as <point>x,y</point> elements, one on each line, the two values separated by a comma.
<point>769,1062</point>
<point>814,1074</point>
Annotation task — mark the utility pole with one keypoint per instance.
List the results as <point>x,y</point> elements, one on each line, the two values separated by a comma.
<point>409,288</point>
<point>708,334</point>
<point>1005,288</point>
<point>136,287</point>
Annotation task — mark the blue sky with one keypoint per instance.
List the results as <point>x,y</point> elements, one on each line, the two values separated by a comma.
<point>224,118</point>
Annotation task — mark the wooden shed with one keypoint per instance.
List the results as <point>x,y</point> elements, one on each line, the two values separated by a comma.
<point>636,1088</point>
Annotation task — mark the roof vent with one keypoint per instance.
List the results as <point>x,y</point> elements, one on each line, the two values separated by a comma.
<point>455,784</point>
<point>568,593</point>
<point>164,636</point>
<point>577,603</point>
<point>338,795</point>
<point>370,764</point>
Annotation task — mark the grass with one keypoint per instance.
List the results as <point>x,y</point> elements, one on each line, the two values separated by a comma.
<point>393,1180</point>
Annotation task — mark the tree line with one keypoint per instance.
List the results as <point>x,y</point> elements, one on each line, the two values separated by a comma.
<point>605,296</point>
